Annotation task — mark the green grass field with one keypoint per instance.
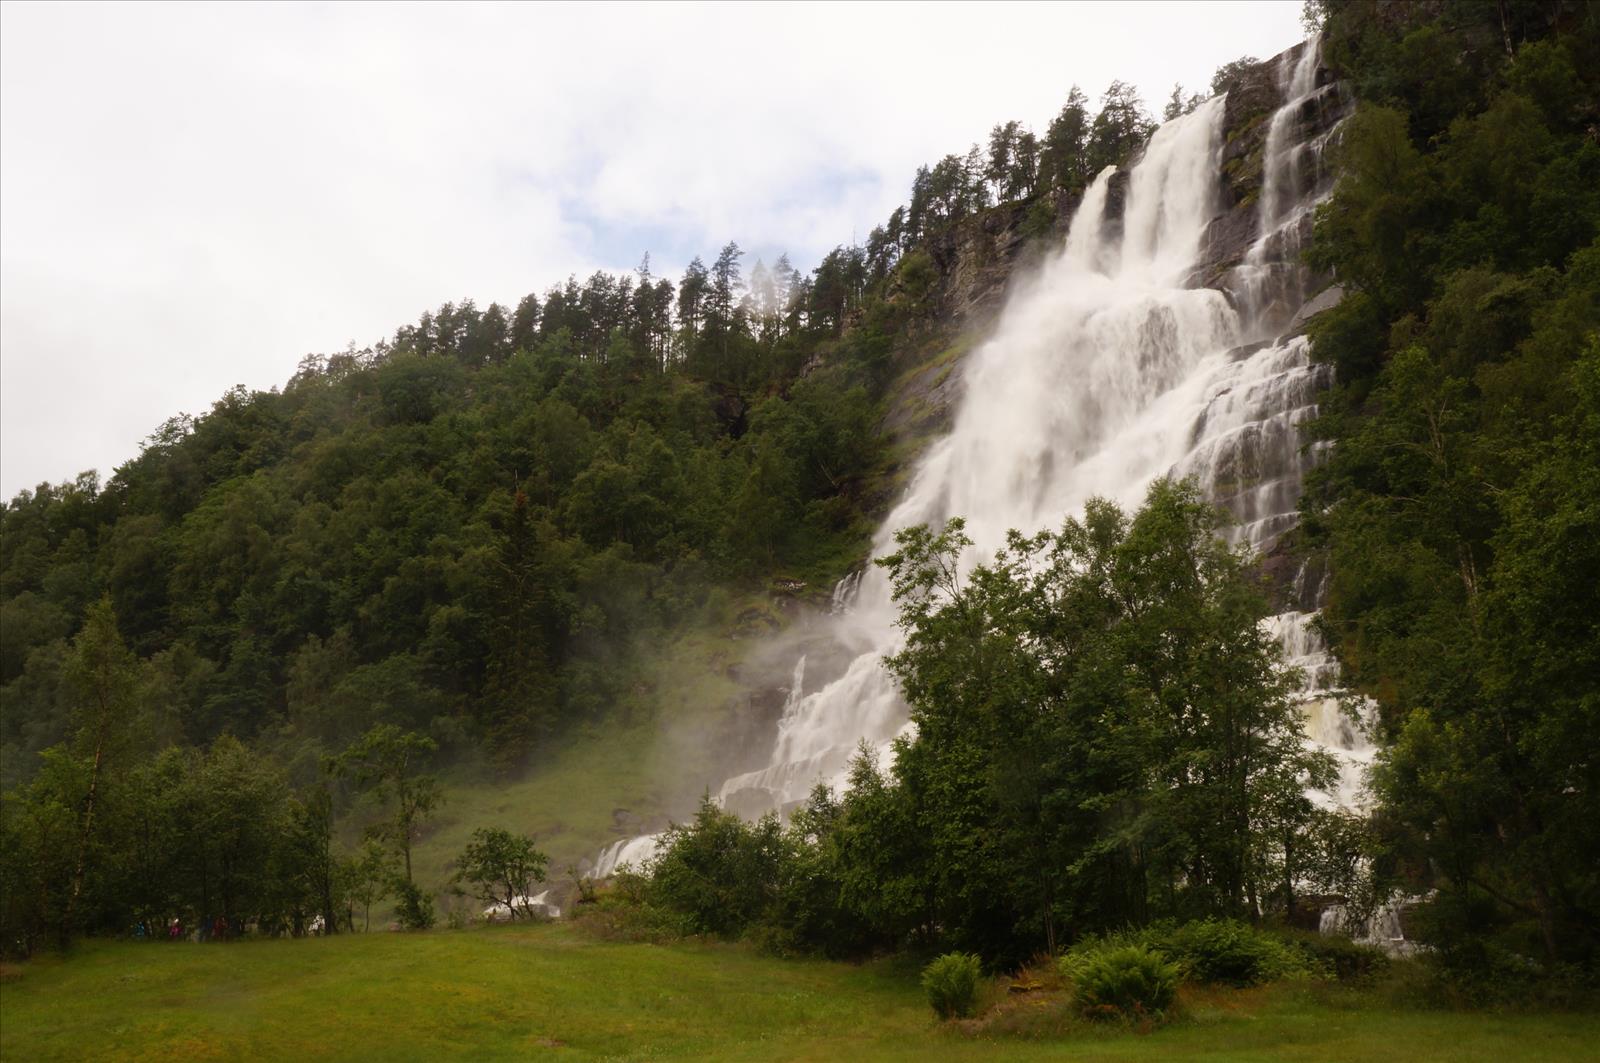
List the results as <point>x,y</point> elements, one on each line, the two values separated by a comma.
<point>557,991</point>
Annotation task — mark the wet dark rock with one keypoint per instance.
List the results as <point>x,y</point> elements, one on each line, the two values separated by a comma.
<point>1326,299</point>
<point>1306,913</point>
<point>1294,575</point>
<point>627,822</point>
<point>1247,119</point>
<point>978,257</point>
<point>750,720</point>
<point>730,409</point>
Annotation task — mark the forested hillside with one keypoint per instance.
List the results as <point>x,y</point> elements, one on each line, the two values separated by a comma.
<point>1461,505</point>
<point>468,530</point>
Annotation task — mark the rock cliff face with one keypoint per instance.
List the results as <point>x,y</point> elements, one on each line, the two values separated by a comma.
<point>975,263</point>
<point>978,257</point>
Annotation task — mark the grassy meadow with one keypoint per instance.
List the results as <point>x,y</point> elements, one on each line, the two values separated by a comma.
<point>559,991</point>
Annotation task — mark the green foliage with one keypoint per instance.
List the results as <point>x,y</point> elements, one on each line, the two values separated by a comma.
<point>502,867</point>
<point>1228,74</point>
<point>951,983</point>
<point>1228,952</point>
<point>384,763</point>
<point>455,531</point>
<point>413,905</point>
<point>368,876</point>
<point>1458,508</point>
<point>1338,957</point>
<point>1063,160</point>
<point>718,872</point>
<point>1120,981</point>
<point>1120,129</point>
<point>1216,951</point>
<point>198,835</point>
<point>1103,734</point>
<point>1103,731</point>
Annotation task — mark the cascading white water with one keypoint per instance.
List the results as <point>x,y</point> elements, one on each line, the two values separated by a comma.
<point>1081,391</point>
<point>1280,185</point>
<point>1271,279</point>
<point>1103,373</point>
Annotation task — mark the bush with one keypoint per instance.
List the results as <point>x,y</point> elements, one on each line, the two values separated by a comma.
<point>1115,981</point>
<point>622,911</point>
<point>1230,953</point>
<point>1338,957</point>
<point>951,983</point>
<point>414,906</point>
<point>718,874</point>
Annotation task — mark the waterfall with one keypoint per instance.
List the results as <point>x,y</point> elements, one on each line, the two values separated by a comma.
<point>844,593</point>
<point>1104,372</point>
<point>1271,280</point>
<point>1081,391</point>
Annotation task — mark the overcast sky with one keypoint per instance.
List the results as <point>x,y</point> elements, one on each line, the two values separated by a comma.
<point>194,197</point>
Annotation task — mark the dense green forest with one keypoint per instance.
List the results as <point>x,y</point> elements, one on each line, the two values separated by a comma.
<point>464,527</point>
<point>1461,505</point>
<point>455,544</point>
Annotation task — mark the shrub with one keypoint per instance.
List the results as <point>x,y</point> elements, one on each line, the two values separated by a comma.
<point>951,983</point>
<point>1228,952</point>
<point>622,911</point>
<point>414,906</point>
<point>1339,957</point>
<point>1114,981</point>
<point>718,874</point>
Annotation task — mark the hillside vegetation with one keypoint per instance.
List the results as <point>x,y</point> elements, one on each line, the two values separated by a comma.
<point>1460,508</point>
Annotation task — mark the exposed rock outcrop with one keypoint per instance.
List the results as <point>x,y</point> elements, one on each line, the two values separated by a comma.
<point>978,256</point>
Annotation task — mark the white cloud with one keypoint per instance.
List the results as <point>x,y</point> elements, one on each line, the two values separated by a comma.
<point>193,197</point>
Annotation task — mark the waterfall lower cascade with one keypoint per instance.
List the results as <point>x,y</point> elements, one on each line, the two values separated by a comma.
<point>1106,370</point>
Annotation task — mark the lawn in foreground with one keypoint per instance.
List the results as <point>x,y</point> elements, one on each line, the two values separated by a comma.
<point>555,991</point>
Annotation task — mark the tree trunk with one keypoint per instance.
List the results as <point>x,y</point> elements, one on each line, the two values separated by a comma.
<point>87,829</point>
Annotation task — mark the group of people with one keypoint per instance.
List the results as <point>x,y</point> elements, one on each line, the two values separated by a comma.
<point>219,928</point>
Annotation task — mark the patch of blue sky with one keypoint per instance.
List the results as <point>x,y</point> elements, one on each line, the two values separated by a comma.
<point>805,220</point>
